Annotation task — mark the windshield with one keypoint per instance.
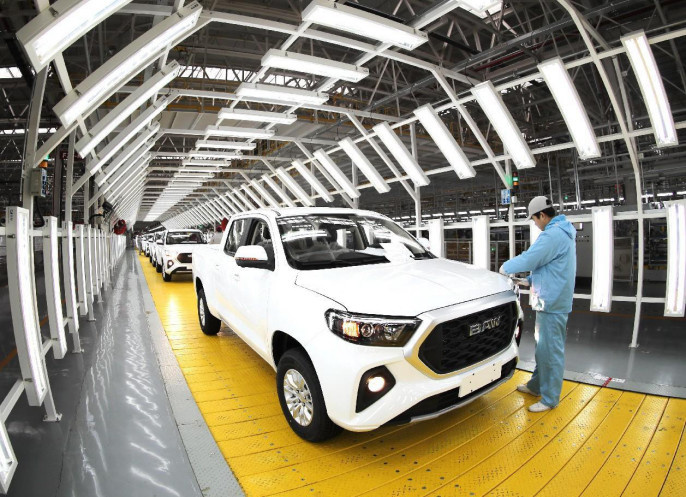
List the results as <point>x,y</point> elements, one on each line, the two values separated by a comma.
<point>178,238</point>
<point>322,241</point>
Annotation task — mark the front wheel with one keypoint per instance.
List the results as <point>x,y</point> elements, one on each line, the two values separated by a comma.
<point>158,267</point>
<point>166,277</point>
<point>208,323</point>
<point>301,398</point>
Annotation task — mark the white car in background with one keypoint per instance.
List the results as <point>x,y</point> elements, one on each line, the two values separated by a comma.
<point>177,251</point>
<point>362,324</point>
<point>155,254</point>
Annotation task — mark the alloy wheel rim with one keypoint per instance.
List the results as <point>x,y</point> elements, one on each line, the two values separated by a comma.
<point>201,312</point>
<point>298,397</point>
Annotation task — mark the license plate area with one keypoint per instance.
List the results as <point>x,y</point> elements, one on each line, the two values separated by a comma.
<point>480,378</point>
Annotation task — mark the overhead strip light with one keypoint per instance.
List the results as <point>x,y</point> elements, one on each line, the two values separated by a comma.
<point>568,100</point>
<point>356,21</point>
<point>501,119</point>
<point>282,95</point>
<point>336,172</point>
<point>253,197</point>
<point>312,180</point>
<point>309,64</point>
<point>293,186</point>
<point>272,184</point>
<point>401,154</point>
<point>257,116</point>
<point>234,132</point>
<point>653,90</point>
<point>265,194</point>
<point>209,163</point>
<point>109,77</point>
<point>364,165</point>
<point>243,198</point>
<point>446,143</point>
<point>225,145</point>
<point>60,25</point>
<point>675,296</point>
<point>216,153</point>
<point>603,265</point>
<point>137,98</point>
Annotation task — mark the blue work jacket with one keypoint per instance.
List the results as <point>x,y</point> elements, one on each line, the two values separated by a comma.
<point>552,262</point>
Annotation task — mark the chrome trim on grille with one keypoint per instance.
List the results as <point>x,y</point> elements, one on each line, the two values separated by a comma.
<point>433,318</point>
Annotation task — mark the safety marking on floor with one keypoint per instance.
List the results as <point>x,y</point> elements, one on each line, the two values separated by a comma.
<point>597,442</point>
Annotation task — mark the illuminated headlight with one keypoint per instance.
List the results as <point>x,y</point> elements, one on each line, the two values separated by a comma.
<point>365,329</point>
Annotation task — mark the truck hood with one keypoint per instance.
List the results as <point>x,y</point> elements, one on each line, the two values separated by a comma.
<point>184,248</point>
<point>403,289</point>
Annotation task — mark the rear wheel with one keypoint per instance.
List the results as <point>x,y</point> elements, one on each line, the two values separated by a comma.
<point>208,323</point>
<point>166,277</point>
<point>301,398</point>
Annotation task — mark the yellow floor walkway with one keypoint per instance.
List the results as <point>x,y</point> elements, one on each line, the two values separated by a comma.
<point>597,442</point>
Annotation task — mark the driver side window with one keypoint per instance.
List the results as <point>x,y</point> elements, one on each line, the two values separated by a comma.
<point>235,236</point>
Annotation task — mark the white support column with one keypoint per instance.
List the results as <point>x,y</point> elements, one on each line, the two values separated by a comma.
<point>53,293</point>
<point>88,255</point>
<point>81,269</point>
<point>437,237</point>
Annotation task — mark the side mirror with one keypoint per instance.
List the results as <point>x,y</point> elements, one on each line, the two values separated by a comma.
<point>254,256</point>
<point>425,243</point>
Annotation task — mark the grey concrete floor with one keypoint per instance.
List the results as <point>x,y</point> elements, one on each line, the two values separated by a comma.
<point>118,435</point>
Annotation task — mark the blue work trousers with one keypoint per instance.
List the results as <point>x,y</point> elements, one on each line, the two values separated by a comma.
<point>550,334</point>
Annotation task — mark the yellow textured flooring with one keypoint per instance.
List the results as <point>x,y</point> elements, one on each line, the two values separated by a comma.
<point>597,442</point>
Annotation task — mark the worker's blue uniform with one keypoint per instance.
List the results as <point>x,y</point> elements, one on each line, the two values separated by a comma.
<point>552,262</point>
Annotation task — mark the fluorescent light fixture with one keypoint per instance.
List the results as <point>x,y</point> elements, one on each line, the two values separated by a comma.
<point>254,197</point>
<point>364,165</point>
<point>231,131</point>
<point>310,64</point>
<point>280,94</point>
<point>257,116</point>
<point>675,296</point>
<point>135,149</point>
<point>107,125</point>
<point>293,186</point>
<point>225,145</point>
<point>603,264</point>
<point>129,132</point>
<point>209,163</point>
<point>356,21</point>
<point>446,143</point>
<point>481,243</point>
<point>272,184</point>
<point>653,90</point>
<point>401,154</point>
<point>60,25</point>
<point>265,194</point>
<point>568,100</point>
<point>312,180</point>
<point>109,77</point>
<point>336,172</point>
<point>219,153</point>
<point>243,199</point>
<point>492,104</point>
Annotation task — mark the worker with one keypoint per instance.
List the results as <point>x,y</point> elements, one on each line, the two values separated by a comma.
<point>552,262</point>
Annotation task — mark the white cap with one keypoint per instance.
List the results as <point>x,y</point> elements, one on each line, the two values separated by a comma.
<point>538,204</point>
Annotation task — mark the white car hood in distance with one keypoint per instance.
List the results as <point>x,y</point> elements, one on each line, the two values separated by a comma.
<point>403,289</point>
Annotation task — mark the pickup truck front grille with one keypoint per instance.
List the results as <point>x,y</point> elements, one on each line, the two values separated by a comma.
<point>185,258</point>
<point>467,340</point>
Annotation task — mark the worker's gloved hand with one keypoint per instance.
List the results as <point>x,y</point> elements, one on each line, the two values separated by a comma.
<point>521,281</point>
<point>502,271</point>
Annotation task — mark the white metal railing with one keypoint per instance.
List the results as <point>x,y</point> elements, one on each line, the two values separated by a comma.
<point>102,253</point>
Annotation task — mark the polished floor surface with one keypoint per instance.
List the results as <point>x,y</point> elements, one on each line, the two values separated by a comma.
<point>597,442</point>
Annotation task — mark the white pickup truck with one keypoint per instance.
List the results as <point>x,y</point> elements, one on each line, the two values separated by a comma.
<point>362,324</point>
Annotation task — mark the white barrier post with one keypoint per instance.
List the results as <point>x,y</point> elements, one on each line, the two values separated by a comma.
<point>53,293</point>
<point>88,262</point>
<point>81,268</point>
<point>69,285</point>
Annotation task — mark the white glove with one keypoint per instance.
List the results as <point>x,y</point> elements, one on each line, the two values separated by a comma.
<point>502,271</point>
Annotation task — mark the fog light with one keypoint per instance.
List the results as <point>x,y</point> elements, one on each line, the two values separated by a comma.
<point>376,384</point>
<point>170,263</point>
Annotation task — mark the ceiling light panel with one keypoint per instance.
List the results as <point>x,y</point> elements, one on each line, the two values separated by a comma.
<point>501,119</point>
<point>233,132</point>
<point>446,143</point>
<point>281,95</point>
<point>293,186</point>
<point>257,116</point>
<point>109,77</point>
<point>216,153</point>
<point>653,91</point>
<point>309,64</point>
<point>336,172</point>
<point>356,21</point>
<point>363,164</point>
<point>401,154</point>
<point>229,145</point>
<point>60,25</point>
<point>568,100</point>
<point>312,180</point>
<point>272,184</point>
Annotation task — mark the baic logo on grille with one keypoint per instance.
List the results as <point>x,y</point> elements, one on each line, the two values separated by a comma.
<point>489,324</point>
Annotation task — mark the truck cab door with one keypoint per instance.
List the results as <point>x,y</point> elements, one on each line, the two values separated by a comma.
<point>224,270</point>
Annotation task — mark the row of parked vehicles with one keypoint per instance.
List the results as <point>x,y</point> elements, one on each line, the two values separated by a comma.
<point>170,251</point>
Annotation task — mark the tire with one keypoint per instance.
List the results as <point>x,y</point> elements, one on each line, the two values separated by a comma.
<point>166,277</point>
<point>208,323</point>
<point>314,424</point>
<point>158,268</point>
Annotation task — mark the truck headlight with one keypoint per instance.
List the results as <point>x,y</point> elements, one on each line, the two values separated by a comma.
<point>366,329</point>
